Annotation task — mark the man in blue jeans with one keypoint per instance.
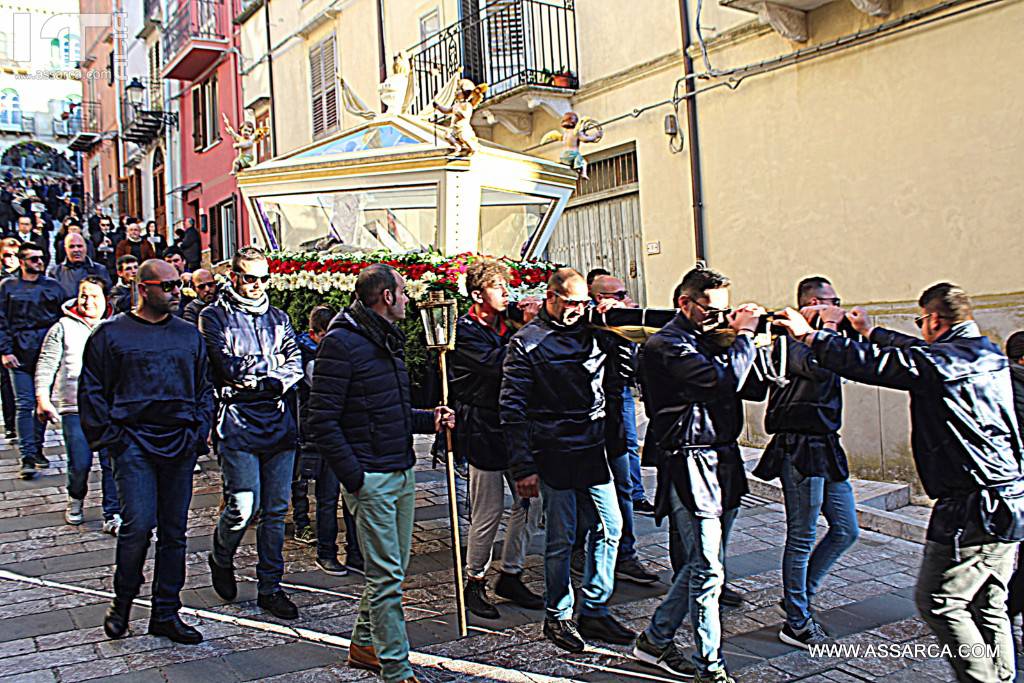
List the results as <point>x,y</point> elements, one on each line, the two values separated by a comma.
<point>145,395</point>
<point>30,303</point>
<point>553,410</point>
<point>255,361</point>
<point>695,371</point>
<point>57,372</point>
<point>805,412</point>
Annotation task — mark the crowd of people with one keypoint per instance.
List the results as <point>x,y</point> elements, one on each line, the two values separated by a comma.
<point>543,406</point>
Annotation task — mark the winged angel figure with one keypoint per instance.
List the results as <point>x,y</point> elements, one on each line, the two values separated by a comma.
<point>397,92</point>
<point>575,129</point>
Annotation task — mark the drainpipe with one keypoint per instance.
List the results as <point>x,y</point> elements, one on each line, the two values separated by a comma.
<point>270,80</point>
<point>381,54</point>
<point>696,180</point>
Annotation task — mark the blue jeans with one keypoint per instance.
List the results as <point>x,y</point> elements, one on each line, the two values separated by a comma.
<point>255,482</point>
<point>632,445</point>
<point>30,429</point>
<point>154,492</point>
<point>803,570</point>
<point>560,532</point>
<point>623,493</point>
<point>80,462</point>
<point>697,586</point>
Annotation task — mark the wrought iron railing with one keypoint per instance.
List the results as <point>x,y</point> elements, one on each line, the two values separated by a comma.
<point>89,115</point>
<point>67,127</point>
<point>192,19</point>
<point>506,44</point>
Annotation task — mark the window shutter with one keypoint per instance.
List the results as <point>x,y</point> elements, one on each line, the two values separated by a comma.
<point>330,84</point>
<point>316,89</point>
<point>213,130</point>
<point>197,118</point>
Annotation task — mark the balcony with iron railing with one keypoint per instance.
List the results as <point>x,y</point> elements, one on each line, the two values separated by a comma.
<point>517,47</point>
<point>142,116</point>
<point>195,35</point>
<point>16,122</point>
<point>87,118</point>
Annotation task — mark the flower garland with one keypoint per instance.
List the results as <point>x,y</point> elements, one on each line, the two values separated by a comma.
<point>423,271</point>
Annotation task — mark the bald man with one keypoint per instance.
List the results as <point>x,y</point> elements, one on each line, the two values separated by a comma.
<point>77,266</point>
<point>145,395</point>
<point>206,289</point>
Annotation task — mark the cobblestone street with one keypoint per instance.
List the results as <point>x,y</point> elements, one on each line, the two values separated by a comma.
<point>56,579</point>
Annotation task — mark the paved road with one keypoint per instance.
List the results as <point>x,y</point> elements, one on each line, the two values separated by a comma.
<point>55,579</point>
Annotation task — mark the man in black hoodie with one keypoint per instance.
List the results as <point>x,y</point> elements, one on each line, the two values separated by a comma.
<point>1015,352</point>
<point>362,420</point>
<point>967,449</point>
<point>150,410</point>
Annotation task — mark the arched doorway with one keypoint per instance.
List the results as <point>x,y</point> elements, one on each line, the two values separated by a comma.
<point>159,196</point>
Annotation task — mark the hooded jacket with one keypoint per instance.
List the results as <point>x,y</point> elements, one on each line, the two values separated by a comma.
<point>964,434</point>
<point>27,311</point>
<point>360,410</point>
<point>60,359</point>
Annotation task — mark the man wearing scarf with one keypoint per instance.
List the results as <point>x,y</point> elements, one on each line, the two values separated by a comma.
<point>255,360</point>
<point>362,421</point>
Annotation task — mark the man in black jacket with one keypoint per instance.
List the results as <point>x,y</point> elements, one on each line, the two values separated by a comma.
<point>1015,352</point>
<point>145,395</point>
<point>30,303</point>
<point>553,410</point>
<point>695,370</point>
<point>121,293</point>
<point>481,340</point>
<point>76,266</point>
<point>255,362</point>
<point>362,421</point>
<point>805,412</point>
<point>967,449</point>
<point>191,245</point>
<point>206,289</point>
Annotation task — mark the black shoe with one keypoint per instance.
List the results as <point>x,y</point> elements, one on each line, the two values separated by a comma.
<point>28,471</point>
<point>811,634</point>
<point>10,435</point>
<point>175,629</point>
<point>41,462</point>
<point>643,507</point>
<point>511,587</point>
<point>477,602</point>
<point>329,565</point>
<point>577,561</point>
<point>223,580</point>
<point>563,633</point>
<point>632,570</point>
<point>279,605</point>
<point>115,624</point>
<point>355,563</point>
<point>668,658</point>
<point>730,598</point>
<point>606,629</point>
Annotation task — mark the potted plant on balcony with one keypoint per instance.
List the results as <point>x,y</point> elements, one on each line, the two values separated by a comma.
<point>562,78</point>
<point>545,76</point>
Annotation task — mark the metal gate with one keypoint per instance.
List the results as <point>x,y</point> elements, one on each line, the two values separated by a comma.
<point>601,228</point>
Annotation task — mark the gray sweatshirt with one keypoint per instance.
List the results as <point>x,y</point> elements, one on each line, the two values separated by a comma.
<point>60,360</point>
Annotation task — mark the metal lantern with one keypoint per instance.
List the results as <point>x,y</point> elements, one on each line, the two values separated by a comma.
<point>135,90</point>
<point>439,316</point>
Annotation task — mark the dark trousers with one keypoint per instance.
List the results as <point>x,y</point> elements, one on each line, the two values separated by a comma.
<point>155,492</point>
<point>328,491</point>
<point>7,398</point>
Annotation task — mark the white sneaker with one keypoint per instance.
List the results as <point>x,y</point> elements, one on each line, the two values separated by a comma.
<point>112,525</point>
<point>73,515</point>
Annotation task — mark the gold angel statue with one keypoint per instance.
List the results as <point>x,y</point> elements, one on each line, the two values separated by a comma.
<point>459,98</point>
<point>575,129</point>
<point>245,139</point>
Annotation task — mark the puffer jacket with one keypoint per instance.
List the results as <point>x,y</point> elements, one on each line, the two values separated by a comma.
<point>360,411</point>
<point>552,403</point>
<point>27,312</point>
<point>60,360</point>
<point>69,274</point>
<point>695,390</point>
<point>1017,375</point>
<point>243,348</point>
<point>964,434</point>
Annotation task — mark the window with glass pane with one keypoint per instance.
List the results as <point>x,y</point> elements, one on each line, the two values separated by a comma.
<point>509,220</point>
<point>399,219</point>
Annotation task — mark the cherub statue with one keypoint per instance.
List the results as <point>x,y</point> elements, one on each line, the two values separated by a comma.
<point>575,129</point>
<point>245,140</point>
<point>398,90</point>
<point>461,101</point>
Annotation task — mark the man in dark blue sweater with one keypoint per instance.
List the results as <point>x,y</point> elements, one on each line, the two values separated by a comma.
<point>145,395</point>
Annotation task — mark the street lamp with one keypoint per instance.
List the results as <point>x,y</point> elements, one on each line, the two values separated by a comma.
<point>439,316</point>
<point>135,90</point>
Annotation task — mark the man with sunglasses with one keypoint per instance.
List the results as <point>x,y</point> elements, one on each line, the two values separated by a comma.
<point>205,287</point>
<point>695,374</point>
<point>804,415</point>
<point>255,361</point>
<point>30,303</point>
<point>144,394</point>
<point>552,408</point>
<point>967,449</point>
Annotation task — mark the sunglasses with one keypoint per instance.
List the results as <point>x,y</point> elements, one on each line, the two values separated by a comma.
<point>166,285</point>
<point>32,259</point>
<point>206,285</point>
<point>833,301</point>
<point>919,320</point>
<point>252,279</point>
<point>572,302</point>
<point>619,295</point>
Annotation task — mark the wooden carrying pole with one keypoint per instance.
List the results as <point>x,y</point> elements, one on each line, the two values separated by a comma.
<point>453,509</point>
